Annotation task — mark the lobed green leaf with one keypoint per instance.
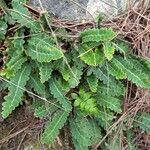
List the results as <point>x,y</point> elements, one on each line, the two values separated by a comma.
<point>58,93</point>
<point>43,49</point>
<point>52,128</point>
<point>15,94</point>
<point>98,35</point>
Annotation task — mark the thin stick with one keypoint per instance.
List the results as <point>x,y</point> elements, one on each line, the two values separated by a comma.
<point>18,148</point>
<point>30,92</point>
<point>14,134</point>
<point>113,126</point>
<point>55,38</point>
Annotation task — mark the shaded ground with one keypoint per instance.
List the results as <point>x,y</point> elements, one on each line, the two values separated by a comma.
<point>21,131</point>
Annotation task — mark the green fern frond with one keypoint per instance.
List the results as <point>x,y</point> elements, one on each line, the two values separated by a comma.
<point>65,73</point>
<point>15,57</point>
<point>7,73</point>
<point>85,132</point>
<point>109,84</point>
<point>80,133</point>
<point>63,68</point>
<point>76,59</point>
<point>3,29</point>
<point>142,121</point>
<point>109,50</point>
<point>45,70</point>
<point>79,146</point>
<point>43,109</point>
<point>133,73</point>
<point>116,71</point>
<point>75,76</point>
<point>3,85</point>
<point>52,128</point>
<point>23,16</point>
<point>85,102</point>
<point>95,131</point>
<point>15,94</point>
<point>113,88</point>
<point>106,116</point>
<point>15,63</point>
<point>58,93</point>
<point>41,112</point>
<point>108,122</point>
<point>144,62</point>
<point>36,84</point>
<point>92,82</point>
<point>121,47</point>
<point>130,140</point>
<point>80,79</point>
<point>98,35</point>
<point>64,84</point>
<point>90,56</point>
<point>76,70</point>
<point>18,43</point>
<point>140,63</point>
<point>109,102</point>
<point>42,49</point>
<point>100,73</point>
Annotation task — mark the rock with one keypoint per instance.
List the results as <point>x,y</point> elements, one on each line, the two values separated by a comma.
<point>64,9</point>
<point>82,9</point>
<point>108,7</point>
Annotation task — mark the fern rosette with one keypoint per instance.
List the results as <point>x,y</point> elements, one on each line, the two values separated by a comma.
<point>81,85</point>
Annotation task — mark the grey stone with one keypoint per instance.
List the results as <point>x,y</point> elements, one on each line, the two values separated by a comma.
<point>64,9</point>
<point>82,9</point>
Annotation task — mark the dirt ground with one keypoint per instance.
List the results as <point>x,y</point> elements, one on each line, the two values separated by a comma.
<point>21,131</point>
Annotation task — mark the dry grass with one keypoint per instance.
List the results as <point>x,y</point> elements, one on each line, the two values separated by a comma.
<point>134,26</point>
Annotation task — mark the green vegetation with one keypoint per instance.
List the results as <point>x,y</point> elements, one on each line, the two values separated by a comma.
<point>83,85</point>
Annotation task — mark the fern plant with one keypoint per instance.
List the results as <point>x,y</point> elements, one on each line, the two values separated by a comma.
<point>142,121</point>
<point>82,86</point>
